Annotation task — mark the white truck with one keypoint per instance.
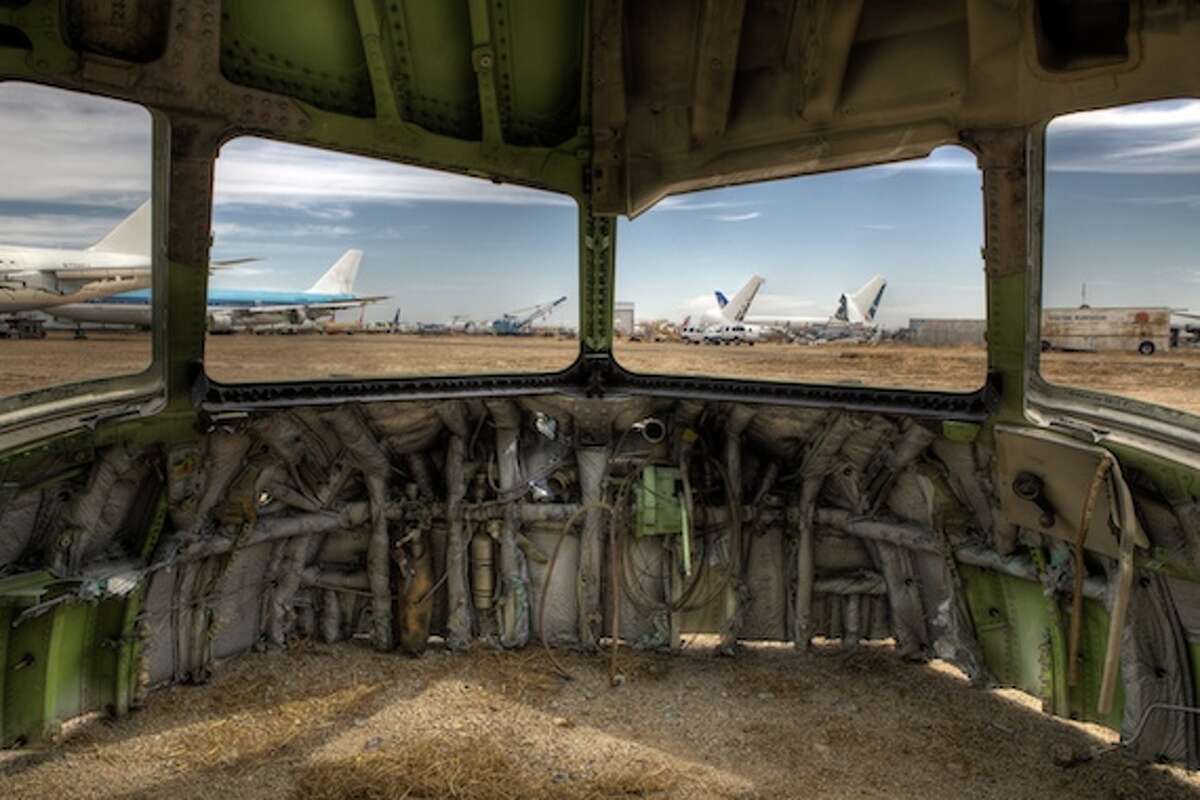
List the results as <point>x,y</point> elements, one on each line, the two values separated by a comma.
<point>732,333</point>
<point>1140,329</point>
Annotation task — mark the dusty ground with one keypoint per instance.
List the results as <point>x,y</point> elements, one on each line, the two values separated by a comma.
<point>338,722</point>
<point>1169,378</point>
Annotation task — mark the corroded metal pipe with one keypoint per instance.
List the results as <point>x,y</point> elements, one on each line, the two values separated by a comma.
<point>458,624</point>
<point>514,596</point>
<point>593,461</point>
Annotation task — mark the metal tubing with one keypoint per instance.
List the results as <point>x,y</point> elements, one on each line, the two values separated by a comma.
<point>458,625</point>
<point>593,461</point>
<point>1116,624</point>
<point>513,598</point>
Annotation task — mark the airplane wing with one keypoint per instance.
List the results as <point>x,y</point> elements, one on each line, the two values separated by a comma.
<point>334,305</point>
<point>83,272</point>
<point>226,263</point>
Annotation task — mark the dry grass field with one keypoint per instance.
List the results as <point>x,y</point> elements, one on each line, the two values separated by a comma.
<point>1171,379</point>
<point>343,722</point>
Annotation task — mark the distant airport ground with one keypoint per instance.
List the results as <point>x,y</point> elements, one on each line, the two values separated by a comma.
<point>1172,379</point>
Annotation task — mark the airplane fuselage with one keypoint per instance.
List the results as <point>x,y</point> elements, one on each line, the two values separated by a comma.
<point>15,259</point>
<point>34,278</point>
<point>133,308</point>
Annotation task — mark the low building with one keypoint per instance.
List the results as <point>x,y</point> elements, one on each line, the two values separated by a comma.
<point>623,320</point>
<point>947,332</point>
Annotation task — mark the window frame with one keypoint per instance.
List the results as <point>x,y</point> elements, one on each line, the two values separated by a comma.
<point>214,394</point>
<point>1090,412</point>
<point>972,404</point>
<point>58,408</point>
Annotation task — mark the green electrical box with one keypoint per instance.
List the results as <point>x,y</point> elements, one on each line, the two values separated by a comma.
<point>660,510</point>
<point>659,503</point>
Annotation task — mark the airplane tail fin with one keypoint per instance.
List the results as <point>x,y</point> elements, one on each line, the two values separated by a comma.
<point>340,277</point>
<point>722,300</point>
<point>862,306</point>
<point>735,310</point>
<point>131,235</point>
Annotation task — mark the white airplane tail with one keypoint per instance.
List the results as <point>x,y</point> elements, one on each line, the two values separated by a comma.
<point>340,277</point>
<point>735,310</point>
<point>131,236</point>
<point>861,306</point>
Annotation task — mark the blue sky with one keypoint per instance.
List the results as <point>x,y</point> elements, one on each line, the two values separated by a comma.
<point>1123,191</point>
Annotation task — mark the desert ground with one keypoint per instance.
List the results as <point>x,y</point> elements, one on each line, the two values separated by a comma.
<point>342,722</point>
<point>1170,379</point>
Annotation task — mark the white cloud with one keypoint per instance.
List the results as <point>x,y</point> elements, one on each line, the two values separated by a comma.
<point>699,303</point>
<point>737,217</point>
<point>63,147</point>
<point>1163,114</point>
<point>1149,139</point>
<point>1187,200</point>
<point>256,171</point>
<point>691,203</point>
<point>226,231</point>
<point>783,304</point>
<point>950,158</point>
<point>57,230</point>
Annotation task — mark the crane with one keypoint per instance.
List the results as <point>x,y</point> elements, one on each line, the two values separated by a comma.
<point>517,323</point>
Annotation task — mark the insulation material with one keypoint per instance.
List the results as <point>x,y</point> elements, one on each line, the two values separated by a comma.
<point>644,563</point>
<point>158,623</point>
<point>286,581</point>
<point>225,452</point>
<point>459,620</point>
<point>185,482</point>
<point>967,475</point>
<point>97,511</point>
<point>559,612</point>
<point>346,547</point>
<point>785,432</point>
<point>18,519</point>
<point>766,611</point>
<point>1156,668</point>
<point>376,469</point>
<point>835,552</point>
<point>406,427</point>
<point>819,461</point>
<point>849,523</point>
<point>514,598</point>
<point>861,457</point>
<point>593,464</point>
<point>1162,526</point>
<point>738,595</point>
<point>235,608</point>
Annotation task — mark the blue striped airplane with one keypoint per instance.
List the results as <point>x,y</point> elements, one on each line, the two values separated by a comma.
<point>237,309</point>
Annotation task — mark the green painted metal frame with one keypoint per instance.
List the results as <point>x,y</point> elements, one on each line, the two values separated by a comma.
<point>73,670</point>
<point>1022,633</point>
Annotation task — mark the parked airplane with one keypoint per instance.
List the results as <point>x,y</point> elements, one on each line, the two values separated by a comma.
<point>38,278</point>
<point>235,309</point>
<point>855,312</point>
<point>727,310</point>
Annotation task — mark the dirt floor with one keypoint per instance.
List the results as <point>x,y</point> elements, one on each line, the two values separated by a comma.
<point>1171,379</point>
<point>342,722</point>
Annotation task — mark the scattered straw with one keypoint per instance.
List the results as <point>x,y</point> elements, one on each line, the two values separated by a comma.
<point>468,767</point>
